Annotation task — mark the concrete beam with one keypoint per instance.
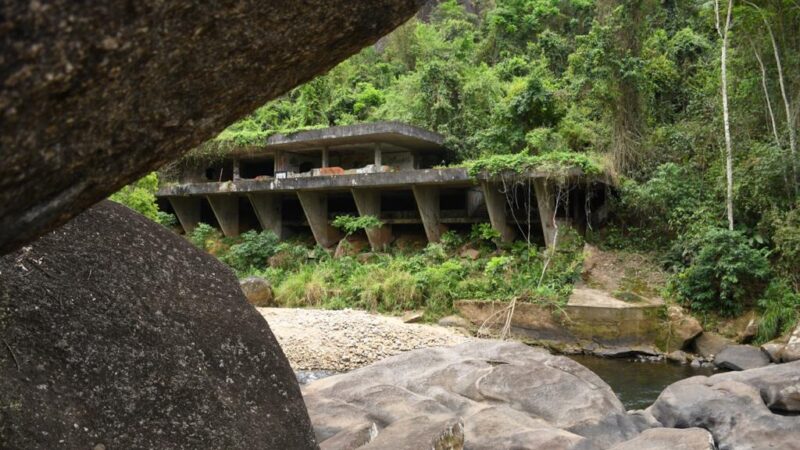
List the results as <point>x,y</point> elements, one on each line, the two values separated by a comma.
<point>226,210</point>
<point>268,211</point>
<point>496,206</point>
<point>315,207</point>
<point>368,202</point>
<point>188,211</point>
<point>427,198</point>
<point>545,202</point>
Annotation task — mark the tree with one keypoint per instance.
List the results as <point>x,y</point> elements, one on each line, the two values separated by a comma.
<point>724,32</point>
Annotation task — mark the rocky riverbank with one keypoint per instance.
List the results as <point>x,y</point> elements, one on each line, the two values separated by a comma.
<point>496,395</point>
<point>339,341</point>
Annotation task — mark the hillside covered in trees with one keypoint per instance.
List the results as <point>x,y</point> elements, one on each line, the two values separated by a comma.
<point>650,88</point>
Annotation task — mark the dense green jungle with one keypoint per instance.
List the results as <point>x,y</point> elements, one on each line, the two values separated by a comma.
<point>690,107</point>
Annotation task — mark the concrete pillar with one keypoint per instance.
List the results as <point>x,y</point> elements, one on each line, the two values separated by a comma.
<point>236,169</point>
<point>226,210</point>
<point>315,206</point>
<point>378,155</point>
<point>545,202</point>
<point>325,157</point>
<point>280,161</point>
<point>427,198</point>
<point>268,210</point>
<point>368,202</point>
<point>188,211</point>
<point>476,201</point>
<point>496,206</point>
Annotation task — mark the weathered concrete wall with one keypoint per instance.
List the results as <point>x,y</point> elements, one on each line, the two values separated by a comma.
<point>93,97</point>
<point>607,325</point>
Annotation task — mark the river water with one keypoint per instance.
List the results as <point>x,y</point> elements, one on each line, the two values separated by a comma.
<point>636,383</point>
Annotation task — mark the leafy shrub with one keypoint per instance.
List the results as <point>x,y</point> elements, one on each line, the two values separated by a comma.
<point>166,219</point>
<point>484,232</point>
<point>781,310</point>
<point>786,237</point>
<point>723,272</point>
<point>140,196</point>
<point>253,250</point>
<point>350,224</point>
<point>202,234</point>
<point>451,240</point>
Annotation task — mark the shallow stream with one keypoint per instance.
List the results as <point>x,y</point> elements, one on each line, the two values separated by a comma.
<point>638,383</point>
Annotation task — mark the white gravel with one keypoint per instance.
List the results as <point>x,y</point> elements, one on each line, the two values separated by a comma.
<point>315,339</point>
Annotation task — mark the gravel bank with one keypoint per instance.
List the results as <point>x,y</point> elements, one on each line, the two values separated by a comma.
<point>315,339</point>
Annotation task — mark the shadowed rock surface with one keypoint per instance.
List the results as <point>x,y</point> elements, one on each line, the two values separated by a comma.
<point>116,331</point>
<point>508,395</point>
<point>91,98</point>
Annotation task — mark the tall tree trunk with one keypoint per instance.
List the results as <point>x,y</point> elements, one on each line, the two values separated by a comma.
<point>771,113</point>
<point>791,116</point>
<point>724,33</point>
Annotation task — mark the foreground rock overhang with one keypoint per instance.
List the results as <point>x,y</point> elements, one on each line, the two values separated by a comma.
<point>93,98</point>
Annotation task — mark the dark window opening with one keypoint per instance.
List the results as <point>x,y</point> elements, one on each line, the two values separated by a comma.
<point>258,168</point>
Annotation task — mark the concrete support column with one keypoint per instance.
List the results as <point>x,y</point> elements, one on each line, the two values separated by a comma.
<point>545,202</point>
<point>427,198</point>
<point>368,202</point>
<point>378,155</point>
<point>226,210</point>
<point>188,211</point>
<point>268,211</point>
<point>280,161</point>
<point>236,169</point>
<point>325,157</point>
<point>315,206</point>
<point>496,206</point>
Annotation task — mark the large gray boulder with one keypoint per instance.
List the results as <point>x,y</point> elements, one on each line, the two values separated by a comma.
<point>508,395</point>
<point>791,352</point>
<point>708,344</point>
<point>741,357</point>
<point>92,97</point>
<point>257,291</point>
<point>117,333</point>
<point>743,410</point>
<point>670,439</point>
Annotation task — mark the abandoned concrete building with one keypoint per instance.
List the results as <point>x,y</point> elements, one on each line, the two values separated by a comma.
<point>296,183</point>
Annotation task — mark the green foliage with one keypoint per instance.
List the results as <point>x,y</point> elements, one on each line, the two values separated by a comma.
<point>558,85</point>
<point>723,273</point>
<point>253,250</point>
<point>203,234</point>
<point>484,232</point>
<point>780,307</point>
<point>140,196</point>
<point>556,163</point>
<point>350,224</point>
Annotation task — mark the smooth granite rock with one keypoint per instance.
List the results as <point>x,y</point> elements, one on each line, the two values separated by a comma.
<point>670,439</point>
<point>94,96</point>
<point>740,409</point>
<point>791,352</point>
<point>708,344</point>
<point>117,333</point>
<point>509,395</point>
<point>741,357</point>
